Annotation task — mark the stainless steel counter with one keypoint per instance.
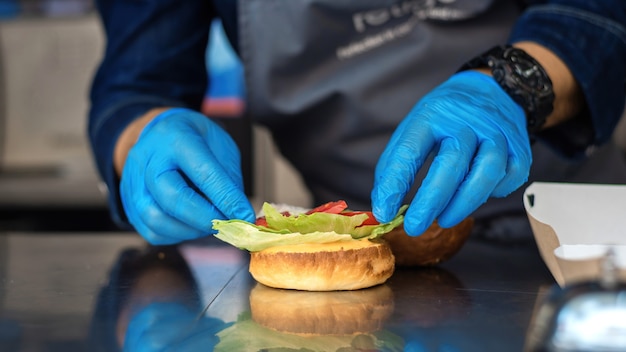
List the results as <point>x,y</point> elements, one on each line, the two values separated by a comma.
<point>92,291</point>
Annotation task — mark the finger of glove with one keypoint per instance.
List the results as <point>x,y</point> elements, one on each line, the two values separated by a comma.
<point>145,214</point>
<point>208,173</point>
<point>447,171</point>
<point>196,133</point>
<point>181,201</point>
<point>136,200</point>
<point>159,228</point>
<point>226,150</point>
<point>396,169</point>
<point>488,168</point>
<point>517,171</point>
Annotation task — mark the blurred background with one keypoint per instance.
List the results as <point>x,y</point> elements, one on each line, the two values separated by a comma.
<point>49,50</point>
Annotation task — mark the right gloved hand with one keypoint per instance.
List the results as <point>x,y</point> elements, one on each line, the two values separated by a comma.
<point>183,172</point>
<point>477,134</point>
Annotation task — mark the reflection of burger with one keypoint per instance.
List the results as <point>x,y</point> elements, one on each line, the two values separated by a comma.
<point>289,320</point>
<point>321,313</point>
<point>324,249</point>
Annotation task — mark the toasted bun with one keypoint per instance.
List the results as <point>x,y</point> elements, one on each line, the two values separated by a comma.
<point>322,313</point>
<point>345,265</point>
<point>435,245</point>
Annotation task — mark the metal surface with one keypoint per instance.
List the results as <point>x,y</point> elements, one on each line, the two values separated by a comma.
<point>91,291</point>
<point>586,315</point>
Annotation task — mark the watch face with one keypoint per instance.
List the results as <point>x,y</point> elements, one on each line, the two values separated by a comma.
<point>526,72</point>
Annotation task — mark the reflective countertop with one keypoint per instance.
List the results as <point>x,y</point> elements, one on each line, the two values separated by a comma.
<point>99,291</point>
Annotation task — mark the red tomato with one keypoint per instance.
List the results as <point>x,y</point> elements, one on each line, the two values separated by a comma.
<point>261,221</point>
<point>330,207</point>
<point>371,220</point>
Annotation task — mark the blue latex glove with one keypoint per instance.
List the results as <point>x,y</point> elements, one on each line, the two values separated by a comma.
<point>183,172</point>
<point>169,326</point>
<point>481,149</point>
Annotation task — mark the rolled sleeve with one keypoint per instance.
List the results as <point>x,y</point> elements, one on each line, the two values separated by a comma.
<point>590,37</point>
<point>154,56</point>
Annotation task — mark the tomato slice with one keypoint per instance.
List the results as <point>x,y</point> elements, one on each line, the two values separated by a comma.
<point>339,207</point>
<point>330,207</point>
<point>371,220</point>
<point>261,221</point>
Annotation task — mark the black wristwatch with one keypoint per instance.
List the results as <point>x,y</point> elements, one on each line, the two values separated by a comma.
<point>523,78</point>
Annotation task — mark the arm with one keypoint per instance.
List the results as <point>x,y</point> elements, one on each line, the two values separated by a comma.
<point>580,43</point>
<point>154,57</point>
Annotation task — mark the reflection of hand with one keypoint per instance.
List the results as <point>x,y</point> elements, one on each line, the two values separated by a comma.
<point>171,327</point>
<point>183,172</point>
<point>482,150</point>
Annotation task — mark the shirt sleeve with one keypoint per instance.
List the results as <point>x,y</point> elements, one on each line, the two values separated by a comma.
<point>590,37</point>
<point>154,56</point>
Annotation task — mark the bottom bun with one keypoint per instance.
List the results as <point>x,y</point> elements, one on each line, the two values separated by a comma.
<point>435,245</point>
<point>345,265</point>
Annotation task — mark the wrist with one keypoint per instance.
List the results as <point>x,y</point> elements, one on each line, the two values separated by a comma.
<point>129,137</point>
<point>569,100</point>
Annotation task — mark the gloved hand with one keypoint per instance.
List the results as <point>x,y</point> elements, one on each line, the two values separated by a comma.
<point>170,326</point>
<point>183,172</point>
<point>481,149</point>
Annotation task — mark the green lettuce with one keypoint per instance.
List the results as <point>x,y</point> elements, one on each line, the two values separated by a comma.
<point>299,229</point>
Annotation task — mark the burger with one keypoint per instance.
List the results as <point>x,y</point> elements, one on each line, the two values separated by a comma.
<point>327,248</point>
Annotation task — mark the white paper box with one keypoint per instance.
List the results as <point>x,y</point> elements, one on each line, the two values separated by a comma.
<point>575,225</point>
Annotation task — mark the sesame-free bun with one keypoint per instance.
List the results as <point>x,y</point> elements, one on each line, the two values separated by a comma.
<point>435,245</point>
<point>344,265</point>
<point>307,313</point>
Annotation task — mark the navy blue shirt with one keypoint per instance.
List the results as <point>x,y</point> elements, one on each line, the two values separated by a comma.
<point>155,56</point>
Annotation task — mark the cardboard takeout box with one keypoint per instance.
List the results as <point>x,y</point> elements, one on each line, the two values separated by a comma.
<point>575,225</point>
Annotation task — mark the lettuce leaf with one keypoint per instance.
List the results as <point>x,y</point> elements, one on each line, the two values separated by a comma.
<point>299,229</point>
<point>250,237</point>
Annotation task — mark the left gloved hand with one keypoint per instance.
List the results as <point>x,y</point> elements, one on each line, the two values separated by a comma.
<point>481,149</point>
<point>183,172</point>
